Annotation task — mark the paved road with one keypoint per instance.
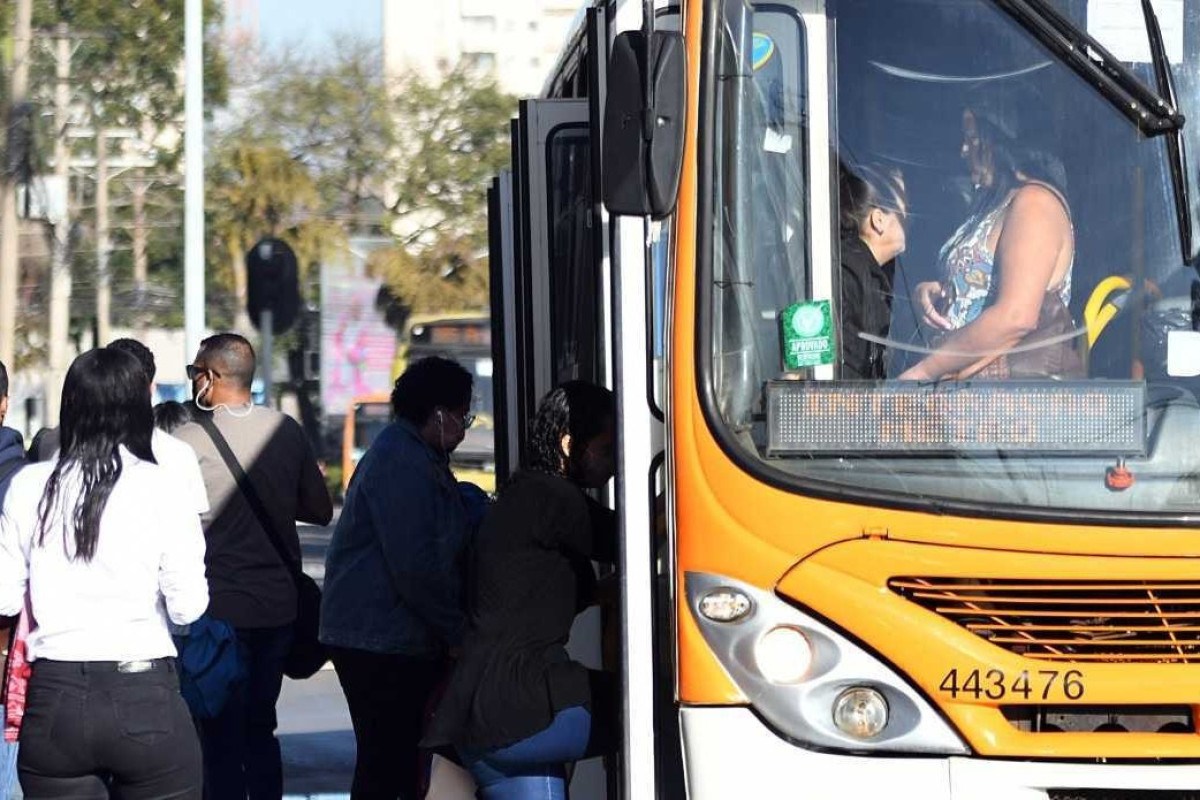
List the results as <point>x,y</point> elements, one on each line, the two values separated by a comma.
<point>314,726</point>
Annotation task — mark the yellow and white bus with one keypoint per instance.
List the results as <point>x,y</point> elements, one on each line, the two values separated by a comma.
<point>464,337</point>
<point>952,589</point>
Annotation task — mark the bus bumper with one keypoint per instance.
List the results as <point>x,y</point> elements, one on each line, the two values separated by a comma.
<point>730,753</point>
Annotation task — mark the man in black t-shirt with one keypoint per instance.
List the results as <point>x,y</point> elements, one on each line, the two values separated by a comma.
<point>250,585</point>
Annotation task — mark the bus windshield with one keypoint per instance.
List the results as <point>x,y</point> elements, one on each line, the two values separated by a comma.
<point>988,310</point>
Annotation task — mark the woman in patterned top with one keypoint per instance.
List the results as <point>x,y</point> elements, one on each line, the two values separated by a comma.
<point>1000,309</point>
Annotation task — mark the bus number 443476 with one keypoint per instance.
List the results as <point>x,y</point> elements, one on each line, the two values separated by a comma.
<point>996,684</point>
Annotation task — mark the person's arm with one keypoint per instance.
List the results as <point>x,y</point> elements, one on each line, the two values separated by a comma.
<point>193,478</point>
<point>577,524</point>
<point>181,565</point>
<point>313,503</point>
<point>926,297</point>
<point>604,529</point>
<point>1034,234</point>
<point>423,561</point>
<point>854,349</point>
<point>14,555</point>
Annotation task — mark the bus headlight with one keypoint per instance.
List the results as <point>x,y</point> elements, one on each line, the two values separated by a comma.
<point>860,712</point>
<point>783,655</point>
<point>809,681</point>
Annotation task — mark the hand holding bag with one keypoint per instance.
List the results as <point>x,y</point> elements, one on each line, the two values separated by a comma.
<point>210,665</point>
<point>307,654</point>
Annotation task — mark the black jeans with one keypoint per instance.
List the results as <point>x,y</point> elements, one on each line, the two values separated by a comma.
<point>241,753</point>
<point>91,729</point>
<point>387,696</point>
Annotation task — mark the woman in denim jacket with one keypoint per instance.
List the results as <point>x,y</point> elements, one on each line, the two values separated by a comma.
<point>392,608</point>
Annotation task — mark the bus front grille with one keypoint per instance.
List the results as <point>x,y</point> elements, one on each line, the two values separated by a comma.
<point>1071,620</point>
<point>1100,719</point>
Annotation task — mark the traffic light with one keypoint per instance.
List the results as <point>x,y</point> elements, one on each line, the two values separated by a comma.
<point>304,362</point>
<point>272,284</point>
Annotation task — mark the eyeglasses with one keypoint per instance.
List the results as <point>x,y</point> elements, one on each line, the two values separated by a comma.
<point>467,420</point>
<point>194,371</point>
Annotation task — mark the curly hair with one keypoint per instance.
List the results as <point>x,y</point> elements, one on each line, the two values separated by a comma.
<point>576,408</point>
<point>430,383</point>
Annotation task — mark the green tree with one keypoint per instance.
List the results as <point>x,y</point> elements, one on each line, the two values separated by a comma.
<point>126,71</point>
<point>334,116</point>
<point>454,139</point>
<point>255,188</point>
<point>410,155</point>
<point>129,59</point>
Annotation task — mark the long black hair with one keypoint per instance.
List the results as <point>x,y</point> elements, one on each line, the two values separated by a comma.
<point>576,408</point>
<point>1014,122</point>
<point>105,404</point>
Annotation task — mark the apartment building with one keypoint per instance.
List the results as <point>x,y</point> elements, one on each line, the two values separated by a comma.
<point>516,40</point>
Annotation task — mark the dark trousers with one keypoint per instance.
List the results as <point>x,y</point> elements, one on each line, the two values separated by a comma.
<point>241,753</point>
<point>91,729</point>
<point>387,696</point>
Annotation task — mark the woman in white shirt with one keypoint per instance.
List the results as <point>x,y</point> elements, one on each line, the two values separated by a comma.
<point>110,550</point>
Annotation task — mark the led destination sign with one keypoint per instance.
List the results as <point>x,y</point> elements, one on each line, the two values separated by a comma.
<point>1037,416</point>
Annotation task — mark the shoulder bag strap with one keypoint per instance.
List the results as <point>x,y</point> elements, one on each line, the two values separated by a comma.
<point>205,421</point>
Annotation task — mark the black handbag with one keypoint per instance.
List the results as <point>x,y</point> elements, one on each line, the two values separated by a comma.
<point>307,654</point>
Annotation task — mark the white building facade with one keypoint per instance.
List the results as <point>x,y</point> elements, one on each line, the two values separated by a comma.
<point>516,40</point>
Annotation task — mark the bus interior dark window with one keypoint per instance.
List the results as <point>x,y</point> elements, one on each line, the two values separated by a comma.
<point>574,275</point>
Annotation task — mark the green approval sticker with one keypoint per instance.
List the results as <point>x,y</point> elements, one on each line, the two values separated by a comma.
<point>807,335</point>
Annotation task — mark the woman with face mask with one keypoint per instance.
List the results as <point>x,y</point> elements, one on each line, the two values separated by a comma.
<point>392,610</point>
<point>1001,307</point>
<point>517,708</point>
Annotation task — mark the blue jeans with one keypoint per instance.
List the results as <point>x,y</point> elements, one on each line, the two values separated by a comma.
<point>241,754</point>
<point>534,768</point>
<point>8,771</point>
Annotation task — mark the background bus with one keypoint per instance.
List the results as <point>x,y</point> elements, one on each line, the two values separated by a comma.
<point>464,337</point>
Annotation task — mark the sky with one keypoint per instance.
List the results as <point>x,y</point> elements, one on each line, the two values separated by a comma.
<point>310,23</point>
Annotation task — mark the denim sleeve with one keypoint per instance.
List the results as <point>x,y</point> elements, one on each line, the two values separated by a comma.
<point>422,558</point>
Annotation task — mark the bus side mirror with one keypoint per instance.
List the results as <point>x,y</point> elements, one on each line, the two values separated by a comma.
<point>642,163</point>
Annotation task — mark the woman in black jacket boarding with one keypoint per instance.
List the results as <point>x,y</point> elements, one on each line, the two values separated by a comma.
<point>517,708</point>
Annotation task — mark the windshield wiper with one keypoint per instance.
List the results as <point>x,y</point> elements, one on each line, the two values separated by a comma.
<point>1175,143</point>
<point>1151,113</point>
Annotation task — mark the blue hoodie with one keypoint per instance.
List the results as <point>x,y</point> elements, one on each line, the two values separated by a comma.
<point>11,446</point>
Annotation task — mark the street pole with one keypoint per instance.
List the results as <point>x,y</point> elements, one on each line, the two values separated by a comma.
<point>60,269</point>
<point>10,253</point>
<point>140,186</point>
<point>103,246</point>
<point>266,324</point>
<point>193,198</point>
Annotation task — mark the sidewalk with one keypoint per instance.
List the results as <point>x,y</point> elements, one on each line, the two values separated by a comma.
<point>316,738</point>
<point>318,745</point>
